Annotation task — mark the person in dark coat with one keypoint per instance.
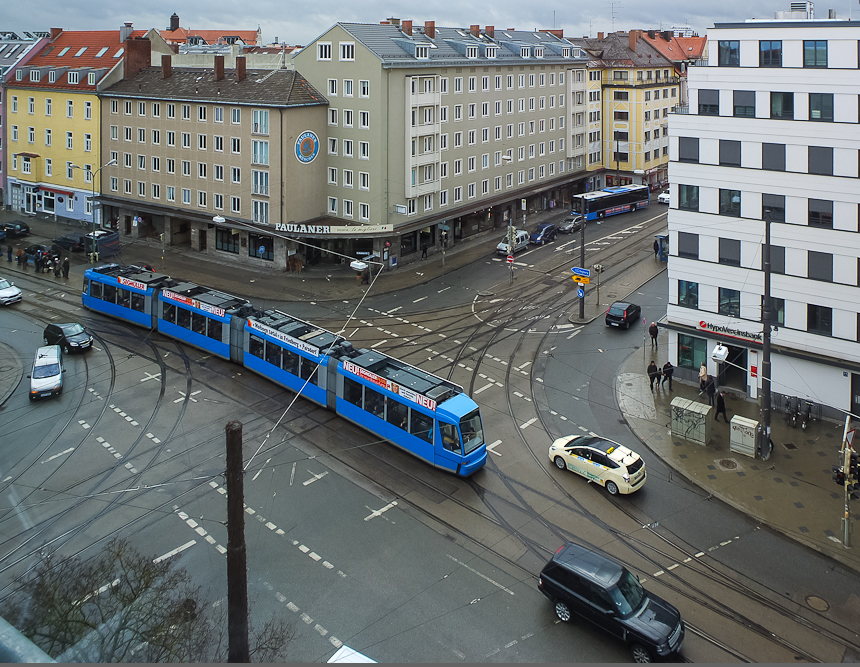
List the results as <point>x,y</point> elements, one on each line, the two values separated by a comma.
<point>57,266</point>
<point>365,276</point>
<point>721,407</point>
<point>653,330</point>
<point>656,248</point>
<point>711,388</point>
<point>37,261</point>
<point>668,372</point>
<point>66,268</point>
<point>423,251</point>
<point>653,374</point>
<point>8,253</point>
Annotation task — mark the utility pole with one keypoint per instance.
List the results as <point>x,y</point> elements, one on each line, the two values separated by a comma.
<point>582,264</point>
<point>764,427</point>
<point>237,569</point>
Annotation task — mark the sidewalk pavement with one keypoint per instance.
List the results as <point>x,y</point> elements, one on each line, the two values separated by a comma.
<point>792,492</point>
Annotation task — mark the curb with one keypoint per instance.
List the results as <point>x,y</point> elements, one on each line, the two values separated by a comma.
<point>17,370</point>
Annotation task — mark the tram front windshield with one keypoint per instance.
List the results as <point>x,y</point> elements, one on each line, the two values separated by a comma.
<point>472,430</point>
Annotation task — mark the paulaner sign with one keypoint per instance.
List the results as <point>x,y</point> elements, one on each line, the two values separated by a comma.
<point>729,331</point>
<point>298,228</point>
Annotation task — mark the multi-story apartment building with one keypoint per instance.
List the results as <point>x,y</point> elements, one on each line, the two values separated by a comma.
<point>53,150</point>
<point>214,159</point>
<point>15,50</point>
<point>436,134</point>
<point>772,125</point>
<point>631,88</point>
<point>683,50</point>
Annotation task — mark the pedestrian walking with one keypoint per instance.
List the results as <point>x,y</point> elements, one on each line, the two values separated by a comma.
<point>653,374</point>
<point>9,253</point>
<point>653,330</point>
<point>21,257</point>
<point>721,407</point>
<point>57,266</point>
<point>66,268</point>
<point>423,251</point>
<point>37,261</point>
<point>656,248</point>
<point>365,276</point>
<point>668,372</point>
<point>711,388</point>
<point>703,378</point>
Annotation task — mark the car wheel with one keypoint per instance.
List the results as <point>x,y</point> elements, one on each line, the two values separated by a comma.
<point>562,611</point>
<point>559,463</point>
<point>66,349</point>
<point>612,488</point>
<point>640,653</point>
<point>627,325</point>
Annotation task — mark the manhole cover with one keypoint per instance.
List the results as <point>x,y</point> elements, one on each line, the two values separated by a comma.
<point>789,445</point>
<point>728,464</point>
<point>817,603</point>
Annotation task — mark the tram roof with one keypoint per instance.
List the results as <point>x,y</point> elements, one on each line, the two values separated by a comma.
<point>210,296</point>
<point>141,275</point>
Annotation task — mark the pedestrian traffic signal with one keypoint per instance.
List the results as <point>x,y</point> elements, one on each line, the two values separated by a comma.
<point>838,475</point>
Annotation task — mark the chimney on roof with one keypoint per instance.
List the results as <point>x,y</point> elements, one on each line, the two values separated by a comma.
<point>651,34</point>
<point>138,56</point>
<point>667,35</point>
<point>240,68</point>
<point>475,30</point>
<point>430,29</point>
<point>166,66</point>
<point>490,31</point>
<point>56,32</point>
<point>632,38</point>
<point>125,31</point>
<point>406,27</point>
<point>393,21</point>
<point>219,67</point>
<point>174,22</point>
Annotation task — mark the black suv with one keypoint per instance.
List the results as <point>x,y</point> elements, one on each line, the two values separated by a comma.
<point>70,336</point>
<point>622,314</point>
<point>580,581</point>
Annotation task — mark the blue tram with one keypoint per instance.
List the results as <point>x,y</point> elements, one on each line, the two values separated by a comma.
<point>423,414</point>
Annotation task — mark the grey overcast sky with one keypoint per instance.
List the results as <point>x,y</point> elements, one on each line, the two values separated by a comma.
<point>301,22</point>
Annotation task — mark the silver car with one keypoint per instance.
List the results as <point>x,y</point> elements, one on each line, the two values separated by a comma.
<point>8,292</point>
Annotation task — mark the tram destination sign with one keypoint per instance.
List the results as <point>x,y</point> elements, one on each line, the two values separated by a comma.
<point>405,392</point>
<point>284,338</point>
<point>194,303</point>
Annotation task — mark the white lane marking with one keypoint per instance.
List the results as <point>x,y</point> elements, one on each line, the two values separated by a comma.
<point>379,343</point>
<point>352,335</point>
<point>492,447</point>
<point>394,310</point>
<point>175,551</point>
<point>443,289</point>
<point>421,299</point>
<point>254,478</point>
<point>483,576</point>
<point>292,474</point>
<point>486,386</point>
<point>375,513</point>
<point>150,376</point>
<point>314,478</point>
<point>522,366</point>
<point>56,456</point>
<point>528,423</point>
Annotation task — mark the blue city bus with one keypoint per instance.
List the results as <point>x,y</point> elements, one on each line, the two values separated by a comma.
<point>425,415</point>
<point>611,201</point>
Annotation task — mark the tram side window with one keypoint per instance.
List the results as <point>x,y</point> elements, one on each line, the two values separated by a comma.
<point>352,392</point>
<point>421,426</point>
<point>374,403</point>
<point>137,302</point>
<point>397,414</point>
<point>290,362</point>
<point>309,370</point>
<point>109,293</point>
<point>215,329</point>
<point>169,313</point>
<point>183,318</point>
<point>255,347</point>
<point>123,297</point>
<point>96,290</point>
<point>450,437</point>
<point>198,323</point>
<point>273,354</point>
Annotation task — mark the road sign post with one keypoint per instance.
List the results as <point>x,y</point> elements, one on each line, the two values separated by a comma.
<point>581,280</point>
<point>510,259</point>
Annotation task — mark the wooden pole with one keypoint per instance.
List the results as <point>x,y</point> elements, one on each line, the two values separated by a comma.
<point>237,571</point>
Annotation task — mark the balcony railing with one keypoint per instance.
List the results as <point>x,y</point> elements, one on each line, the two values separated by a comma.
<point>680,108</point>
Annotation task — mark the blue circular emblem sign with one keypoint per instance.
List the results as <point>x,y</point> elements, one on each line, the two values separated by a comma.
<point>307,147</point>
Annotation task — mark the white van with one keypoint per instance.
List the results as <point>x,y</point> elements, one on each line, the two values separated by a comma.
<point>46,380</point>
<point>521,242</point>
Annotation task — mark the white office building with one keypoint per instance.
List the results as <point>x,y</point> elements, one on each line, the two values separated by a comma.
<point>772,124</point>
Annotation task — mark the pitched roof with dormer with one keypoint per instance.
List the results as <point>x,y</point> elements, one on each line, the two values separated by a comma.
<point>676,49</point>
<point>78,51</point>
<point>13,50</point>
<point>183,35</point>
<point>614,51</point>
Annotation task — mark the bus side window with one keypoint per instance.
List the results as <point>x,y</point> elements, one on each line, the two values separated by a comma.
<point>450,437</point>
<point>255,346</point>
<point>198,323</point>
<point>273,353</point>
<point>308,369</point>
<point>398,414</point>
<point>183,318</point>
<point>169,313</point>
<point>215,329</point>
<point>352,391</point>
<point>290,362</point>
<point>421,426</point>
<point>374,403</point>
<point>137,302</point>
<point>95,290</point>
<point>109,292</point>
<point>123,298</point>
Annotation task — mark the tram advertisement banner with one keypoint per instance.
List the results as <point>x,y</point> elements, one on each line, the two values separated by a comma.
<point>405,392</point>
<point>284,338</point>
<point>194,303</point>
<point>136,284</point>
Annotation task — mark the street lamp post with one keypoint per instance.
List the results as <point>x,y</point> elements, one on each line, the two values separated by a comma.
<point>94,255</point>
<point>766,314</point>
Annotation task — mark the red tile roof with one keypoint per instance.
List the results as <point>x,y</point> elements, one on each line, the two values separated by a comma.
<point>181,35</point>
<point>677,49</point>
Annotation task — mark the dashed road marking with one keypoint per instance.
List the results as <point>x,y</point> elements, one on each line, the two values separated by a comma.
<point>483,576</point>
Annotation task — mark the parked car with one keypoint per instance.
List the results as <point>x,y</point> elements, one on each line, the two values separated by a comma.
<point>590,585</point>
<point>521,242</point>
<point>622,314</point>
<point>16,228</point>
<point>72,242</point>
<point>36,247</point>
<point>663,197</point>
<point>572,223</point>
<point>602,461</point>
<point>46,378</point>
<point>2,232</point>
<point>70,337</point>
<point>545,231</point>
<point>9,294</point>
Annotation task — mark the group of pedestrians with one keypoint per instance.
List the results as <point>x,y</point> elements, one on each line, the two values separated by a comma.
<point>42,261</point>
<point>658,376</point>
<point>708,385</point>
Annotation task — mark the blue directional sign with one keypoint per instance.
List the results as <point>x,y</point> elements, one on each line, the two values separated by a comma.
<point>580,293</point>
<point>585,273</point>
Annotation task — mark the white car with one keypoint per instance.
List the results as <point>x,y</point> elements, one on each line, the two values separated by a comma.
<point>602,461</point>
<point>8,292</point>
<point>663,198</point>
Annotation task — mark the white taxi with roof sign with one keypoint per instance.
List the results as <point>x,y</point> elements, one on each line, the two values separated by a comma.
<point>602,461</point>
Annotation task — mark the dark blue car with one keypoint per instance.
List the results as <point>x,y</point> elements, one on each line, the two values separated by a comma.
<point>545,231</point>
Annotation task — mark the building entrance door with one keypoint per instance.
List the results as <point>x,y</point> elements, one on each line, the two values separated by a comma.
<point>855,394</point>
<point>30,202</point>
<point>734,371</point>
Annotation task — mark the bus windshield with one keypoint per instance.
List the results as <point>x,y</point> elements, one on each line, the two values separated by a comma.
<point>472,430</point>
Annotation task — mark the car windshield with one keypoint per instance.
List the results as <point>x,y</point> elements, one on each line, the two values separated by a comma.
<point>46,371</point>
<point>4,284</point>
<point>72,329</point>
<point>627,594</point>
<point>616,310</point>
<point>472,430</point>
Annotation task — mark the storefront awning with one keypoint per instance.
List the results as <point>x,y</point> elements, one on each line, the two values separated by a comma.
<point>56,191</point>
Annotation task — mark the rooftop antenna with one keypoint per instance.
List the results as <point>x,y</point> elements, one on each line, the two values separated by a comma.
<point>612,11</point>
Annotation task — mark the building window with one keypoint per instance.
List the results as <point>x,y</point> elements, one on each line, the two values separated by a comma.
<point>688,245</point>
<point>347,51</point>
<point>324,51</point>
<point>260,152</point>
<point>692,351</point>
<point>235,145</point>
<point>819,320</point>
<point>688,197</point>
<point>226,240</point>
<point>235,116</point>
<point>709,102</point>
<point>730,252</point>
<point>728,53</point>
<point>261,213</point>
<point>186,140</point>
<point>770,54</point>
<point>820,266</point>
<point>821,160</point>
<point>235,205</point>
<point>69,140</point>
<point>730,203</point>
<point>730,302</point>
<point>821,107</point>
<point>688,149</point>
<point>773,157</point>
<point>730,153</point>
<point>261,121</point>
<point>186,112</point>
<point>814,53</point>
<point>744,103</point>
<point>235,175</point>
<point>820,213</point>
<point>688,294</point>
<point>775,204</point>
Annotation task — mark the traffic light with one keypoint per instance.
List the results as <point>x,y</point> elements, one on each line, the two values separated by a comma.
<point>838,475</point>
